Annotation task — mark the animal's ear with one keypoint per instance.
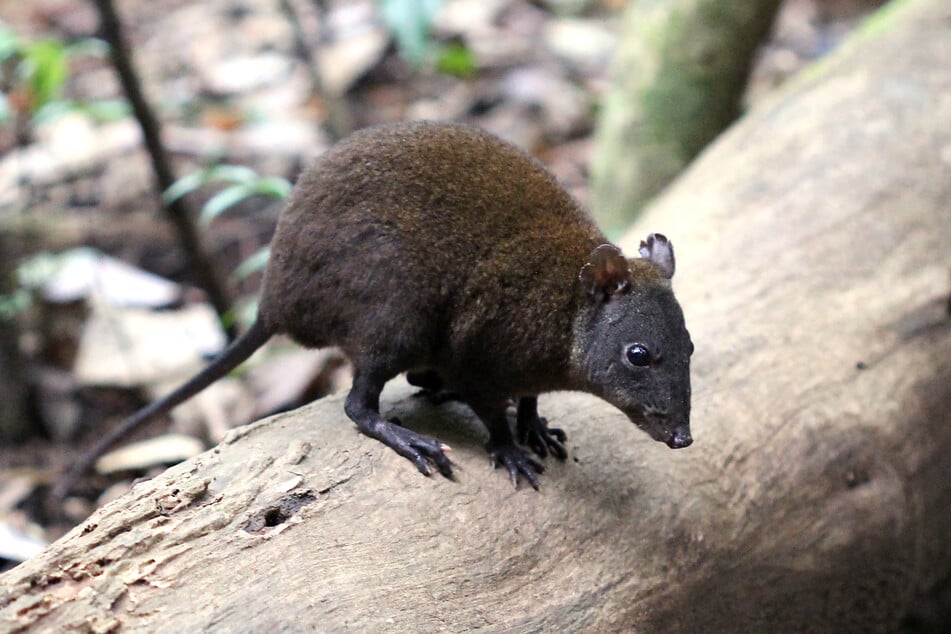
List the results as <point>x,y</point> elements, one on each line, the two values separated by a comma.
<point>659,250</point>
<point>606,273</point>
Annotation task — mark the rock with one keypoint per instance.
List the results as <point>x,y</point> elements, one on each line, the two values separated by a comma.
<point>342,62</point>
<point>585,44</point>
<point>564,107</point>
<point>134,347</point>
<point>64,149</point>
<point>163,450</point>
<point>469,17</point>
<point>244,73</point>
<point>17,545</point>
<point>284,377</point>
<point>90,275</point>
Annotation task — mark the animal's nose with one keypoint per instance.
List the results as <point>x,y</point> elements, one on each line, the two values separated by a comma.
<point>680,439</point>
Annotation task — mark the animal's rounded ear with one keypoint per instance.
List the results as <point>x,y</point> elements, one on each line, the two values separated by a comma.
<point>659,250</point>
<point>606,273</point>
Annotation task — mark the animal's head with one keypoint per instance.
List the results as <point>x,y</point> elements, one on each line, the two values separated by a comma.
<point>631,345</point>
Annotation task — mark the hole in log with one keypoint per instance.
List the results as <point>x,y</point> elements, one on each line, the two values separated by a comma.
<point>274,516</point>
<point>279,512</point>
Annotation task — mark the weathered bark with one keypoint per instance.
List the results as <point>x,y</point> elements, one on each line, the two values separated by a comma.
<point>679,76</point>
<point>813,266</point>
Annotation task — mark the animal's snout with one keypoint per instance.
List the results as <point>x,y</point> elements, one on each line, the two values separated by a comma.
<point>680,439</point>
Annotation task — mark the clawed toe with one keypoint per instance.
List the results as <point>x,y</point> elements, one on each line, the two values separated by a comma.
<point>516,463</point>
<point>425,452</point>
<point>542,439</point>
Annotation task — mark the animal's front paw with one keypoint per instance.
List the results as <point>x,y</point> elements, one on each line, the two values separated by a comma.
<point>534,433</point>
<point>515,462</point>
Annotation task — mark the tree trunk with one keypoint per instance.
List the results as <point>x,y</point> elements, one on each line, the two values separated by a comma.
<point>813,244</point>
<point>679,76</point>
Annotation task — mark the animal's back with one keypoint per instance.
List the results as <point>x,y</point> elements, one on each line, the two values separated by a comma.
<point>382,233</point>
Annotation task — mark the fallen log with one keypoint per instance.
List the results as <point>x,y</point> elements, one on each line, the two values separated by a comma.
<point>813,243</point>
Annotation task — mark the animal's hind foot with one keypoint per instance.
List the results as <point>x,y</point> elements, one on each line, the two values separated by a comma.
<point>425,452</point>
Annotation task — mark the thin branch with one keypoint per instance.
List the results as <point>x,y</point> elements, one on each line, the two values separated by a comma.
<point>339,122</point>
<point>178,211</point>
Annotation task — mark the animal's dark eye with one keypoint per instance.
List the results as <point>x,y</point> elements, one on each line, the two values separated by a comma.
<point>638,355</point>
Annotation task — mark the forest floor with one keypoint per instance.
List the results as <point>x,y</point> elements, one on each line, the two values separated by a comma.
<point>230,86</point>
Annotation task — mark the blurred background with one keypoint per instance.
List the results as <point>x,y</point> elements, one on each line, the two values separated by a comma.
<point>146,149</point>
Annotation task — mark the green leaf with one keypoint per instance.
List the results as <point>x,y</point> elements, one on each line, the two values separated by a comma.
<point>245,313</point>
<point>457,60</point>
<point>6,113</point>
<point>44,68</point>
<point>223,200</point>
<point>254,263</point>
<point>53,110</point>
<point>249,313</point>
<point>9,44</point>
<point>106,109</point>
<point>184,185</point>
<point>87,47</point>
<point>410,22</point>
<point>37,269</point>
<point>273,186</point>
<point>238,174</point>
<point>14,303</point>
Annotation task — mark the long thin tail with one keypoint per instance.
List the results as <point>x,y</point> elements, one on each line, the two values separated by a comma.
<point>232,356</point>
